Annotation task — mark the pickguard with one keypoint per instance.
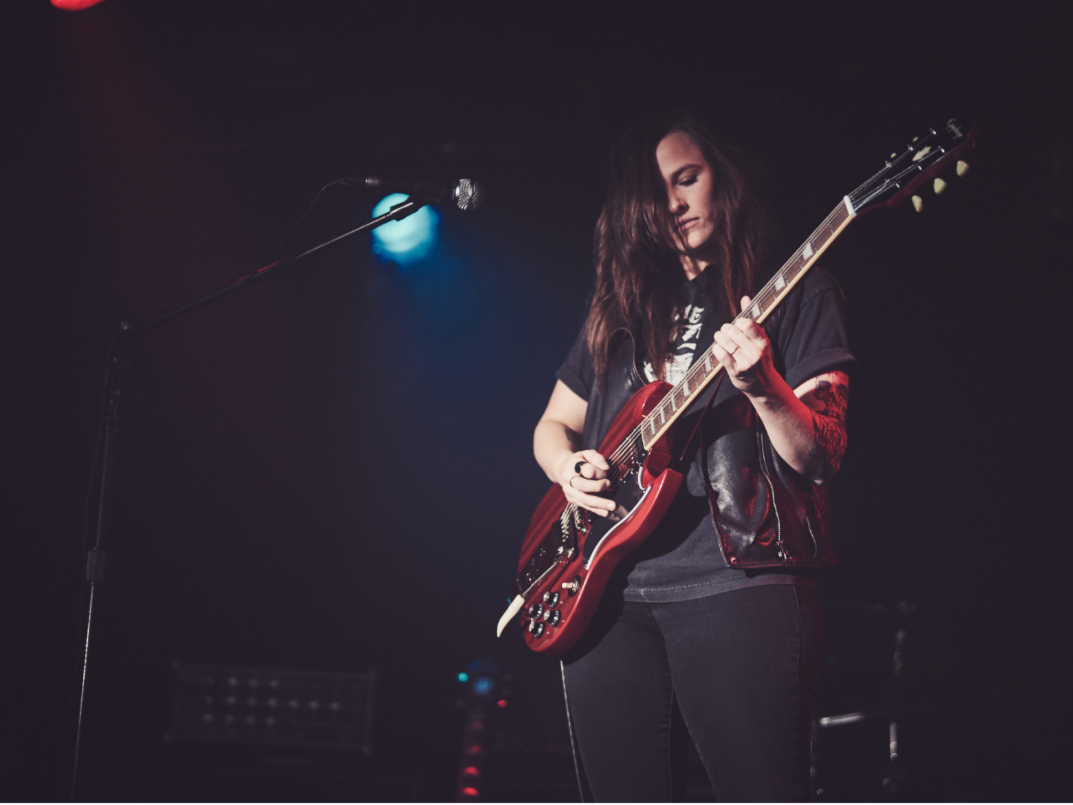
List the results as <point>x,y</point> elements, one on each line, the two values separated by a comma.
<point>628,494</point>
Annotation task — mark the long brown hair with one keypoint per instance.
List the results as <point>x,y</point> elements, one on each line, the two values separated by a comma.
<point>638,269</point>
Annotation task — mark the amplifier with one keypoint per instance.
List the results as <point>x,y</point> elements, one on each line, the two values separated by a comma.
<point>273,706</point>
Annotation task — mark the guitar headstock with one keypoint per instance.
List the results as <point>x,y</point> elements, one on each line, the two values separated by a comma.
<point>922,159</point>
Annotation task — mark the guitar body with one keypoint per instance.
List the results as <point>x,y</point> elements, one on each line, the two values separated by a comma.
<point>568,556</point>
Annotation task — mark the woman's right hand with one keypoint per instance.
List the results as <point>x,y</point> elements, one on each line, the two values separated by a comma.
<point>581,476</point>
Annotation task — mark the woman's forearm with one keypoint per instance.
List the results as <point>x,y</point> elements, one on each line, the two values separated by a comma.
<point>810,437</point>
<point>553,444</point>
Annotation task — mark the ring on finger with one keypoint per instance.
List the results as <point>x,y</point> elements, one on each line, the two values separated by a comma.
<point>571,481</point>
<point>578,466</point>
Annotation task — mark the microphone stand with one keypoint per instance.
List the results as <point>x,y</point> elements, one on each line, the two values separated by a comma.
<point>95,556</point>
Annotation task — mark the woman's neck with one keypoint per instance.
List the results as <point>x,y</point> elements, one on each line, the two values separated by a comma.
<point>693,266</point>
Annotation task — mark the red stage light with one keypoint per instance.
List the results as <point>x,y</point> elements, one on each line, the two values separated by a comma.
<point>501,703</point>
<point>471,771</point>
<point>74,5</point>
<point>470,792</point>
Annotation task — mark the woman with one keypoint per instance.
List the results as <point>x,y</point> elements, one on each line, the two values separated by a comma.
<point>713,621</point>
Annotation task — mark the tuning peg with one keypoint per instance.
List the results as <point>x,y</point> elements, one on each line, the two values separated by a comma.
<point>938,186</point>
<point>893,155</point>
<point>918,203</point>
<point>962,167</point>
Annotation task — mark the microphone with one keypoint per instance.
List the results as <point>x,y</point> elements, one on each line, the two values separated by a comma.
<point>466,193</point>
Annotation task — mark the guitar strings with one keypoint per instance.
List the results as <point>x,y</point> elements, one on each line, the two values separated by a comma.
<point>627,449</point>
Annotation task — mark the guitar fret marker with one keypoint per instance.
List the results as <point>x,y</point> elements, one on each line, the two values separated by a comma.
<point>807,251</point>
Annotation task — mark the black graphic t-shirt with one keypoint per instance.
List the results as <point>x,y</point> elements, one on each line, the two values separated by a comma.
<point>682,560</point>
<point>694,306</point>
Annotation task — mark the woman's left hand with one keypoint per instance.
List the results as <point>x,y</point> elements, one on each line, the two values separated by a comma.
<point>743,348</point>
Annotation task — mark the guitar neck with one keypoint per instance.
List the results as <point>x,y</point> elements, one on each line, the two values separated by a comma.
<point>704,370</point>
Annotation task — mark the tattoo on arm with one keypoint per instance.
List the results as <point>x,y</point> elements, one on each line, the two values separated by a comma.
<point>829,425</point>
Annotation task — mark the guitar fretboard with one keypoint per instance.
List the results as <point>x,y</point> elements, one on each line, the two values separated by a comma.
<point>704,370</point>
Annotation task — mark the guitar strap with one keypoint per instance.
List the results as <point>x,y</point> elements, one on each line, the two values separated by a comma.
<point>700,419</point>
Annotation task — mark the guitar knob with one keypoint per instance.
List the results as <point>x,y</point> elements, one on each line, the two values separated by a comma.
<point>553,616</point>
<point>918,203</point>
<point>536,610</point>
<point>551,599</point>
<point>536,628</point>
<point>938,186</point>
<point>962,168</point>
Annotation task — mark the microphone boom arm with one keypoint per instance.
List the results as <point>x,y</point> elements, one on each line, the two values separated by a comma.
<point>396,213</point>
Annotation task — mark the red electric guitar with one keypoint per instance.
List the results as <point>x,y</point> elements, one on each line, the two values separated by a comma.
<point>568,553</point>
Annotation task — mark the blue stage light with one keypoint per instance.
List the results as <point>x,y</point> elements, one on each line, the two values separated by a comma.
<point>406,241</point>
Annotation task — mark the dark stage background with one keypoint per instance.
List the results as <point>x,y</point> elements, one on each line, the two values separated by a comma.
<point>332,471</point>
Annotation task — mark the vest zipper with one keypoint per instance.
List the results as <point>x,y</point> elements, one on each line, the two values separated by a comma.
<point>764,469</point>
<point>815,543</point>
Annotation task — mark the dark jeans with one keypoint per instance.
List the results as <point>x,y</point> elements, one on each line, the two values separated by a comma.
<point>739,668</point>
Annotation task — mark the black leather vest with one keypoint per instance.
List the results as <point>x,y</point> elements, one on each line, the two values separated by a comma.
<point>765,513</point>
